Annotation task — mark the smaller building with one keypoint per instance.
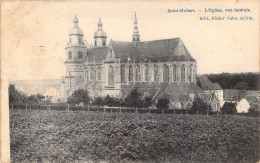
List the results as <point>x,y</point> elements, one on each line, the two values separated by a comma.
<point>213,92</point>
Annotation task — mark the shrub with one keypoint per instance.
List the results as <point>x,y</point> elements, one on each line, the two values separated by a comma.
<point>163,103</point>
<point>133,99</point>
<point>79,96</point>
<point>199,105</point>
<point>229,108</point>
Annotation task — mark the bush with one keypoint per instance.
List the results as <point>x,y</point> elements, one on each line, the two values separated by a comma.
<point>200,106</point>
<point>254,110</point>
<point>133,99</point>
<point>79,96</point>
<point>229,108</point>
<point>163,103</point>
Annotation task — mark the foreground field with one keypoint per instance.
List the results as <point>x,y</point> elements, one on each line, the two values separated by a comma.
<point>70,136</point>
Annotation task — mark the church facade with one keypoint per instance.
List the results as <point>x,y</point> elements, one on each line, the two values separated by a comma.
<point>114,68</point>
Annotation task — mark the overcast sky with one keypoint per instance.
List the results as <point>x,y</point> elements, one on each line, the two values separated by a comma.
<point>218,46</point>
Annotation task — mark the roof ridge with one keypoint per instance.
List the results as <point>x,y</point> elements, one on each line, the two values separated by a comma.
<point>161,39</point>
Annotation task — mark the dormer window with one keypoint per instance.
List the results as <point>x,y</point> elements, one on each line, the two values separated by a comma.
<point>70,55</point>
<point>80,55</point>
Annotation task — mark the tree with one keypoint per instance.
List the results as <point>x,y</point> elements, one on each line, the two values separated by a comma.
<point>229,108</point>
<point>134,99</point>
<point>15,97</point>
<point>163,103</point>
<point>147,101</point>
<point>254,110</point>
<point>79,96</point>
<point>199,105</point>
<point>242,86</point>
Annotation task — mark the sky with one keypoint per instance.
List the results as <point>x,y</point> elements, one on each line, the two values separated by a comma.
<point>34,34</point>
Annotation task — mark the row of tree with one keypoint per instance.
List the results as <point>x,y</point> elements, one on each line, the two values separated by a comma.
<point>133,99</point>
<point>240,81</point>
<point>18,98</point>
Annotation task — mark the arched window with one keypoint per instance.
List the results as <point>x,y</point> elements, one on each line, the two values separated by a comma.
<point>155,74</point>
<point>183,73</point>
<point>92,74</point>
<point>79,40</point>
<point>137,73</point>
<point>131,75</point>
<point>104,43</point>
<point>174,73</point>
<point>99,74</point>
<point>95,43</point>
<point>146,73</point>
<point>123,73</point>
<point>191,73</point>
<point>165,73</point>
<point>86,75</point>
<point>110,76</point>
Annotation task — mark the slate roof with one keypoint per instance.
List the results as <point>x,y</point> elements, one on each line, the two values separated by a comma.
<point>206,84</point>
<point>145,88</point>
<point>233,95</point>
<point>90,85</point>
<point>177,92</point>
<point>96,54</point>
<point>158,50</point>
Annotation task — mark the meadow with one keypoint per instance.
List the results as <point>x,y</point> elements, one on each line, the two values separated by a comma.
<point>81,136</point>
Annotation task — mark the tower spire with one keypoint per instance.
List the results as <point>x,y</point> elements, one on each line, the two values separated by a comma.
<point>100,24</point>
<point>75,21</point>
<point>136,36</point>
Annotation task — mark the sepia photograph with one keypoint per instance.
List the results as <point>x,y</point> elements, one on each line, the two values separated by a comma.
<point>130,81</point>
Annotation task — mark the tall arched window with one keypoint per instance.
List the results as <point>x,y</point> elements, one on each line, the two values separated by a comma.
<point>92,74</point>
<point>146,73</point>
<point>183,73</point>
<point>99,74</point>
<point>131,75</point>
<point>104,43</point>
<point>165,73</point>
<point>123,73</point>
<point>137,73</point>
<point>191,73</point>
<point>110,76</point>
<point>155,74</point>
<point>87,74</point>
<point>174,73</point>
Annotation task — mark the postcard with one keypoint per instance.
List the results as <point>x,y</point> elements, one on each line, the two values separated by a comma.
<point>130,81</point>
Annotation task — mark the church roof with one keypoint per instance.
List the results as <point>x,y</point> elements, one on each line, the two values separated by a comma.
<point>96,54</point>
<point>179,91</point>
<point>206,84</point>
<point>158,50</point>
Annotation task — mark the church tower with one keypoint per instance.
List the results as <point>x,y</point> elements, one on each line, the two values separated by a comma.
<point>136,36</point>
<point>76,52</point>
<point>100,36</point>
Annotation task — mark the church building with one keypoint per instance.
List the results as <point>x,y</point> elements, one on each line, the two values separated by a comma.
<point>156,68</point>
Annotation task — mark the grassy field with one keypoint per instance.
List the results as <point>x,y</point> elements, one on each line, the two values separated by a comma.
<point>70,136</point>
